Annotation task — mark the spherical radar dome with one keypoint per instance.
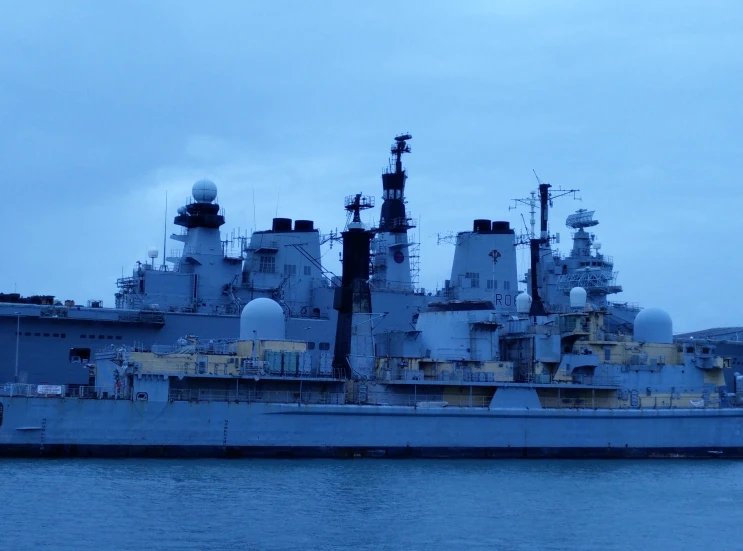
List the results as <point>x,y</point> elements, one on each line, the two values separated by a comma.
<point>262,318</point>
<point>204,191</point>
<point>523,303</point>
<point>653,325</point>
<point>577,297</point>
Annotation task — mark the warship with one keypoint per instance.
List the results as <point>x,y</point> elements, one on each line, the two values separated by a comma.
<point>466,380</point>
<point>201,288</point>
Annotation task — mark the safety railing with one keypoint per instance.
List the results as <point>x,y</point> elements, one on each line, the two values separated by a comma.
<point>65,391</point>
<point>259,396</point>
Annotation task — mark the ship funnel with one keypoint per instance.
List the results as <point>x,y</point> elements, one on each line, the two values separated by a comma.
<point>578,297</point>
<point>281,225</point>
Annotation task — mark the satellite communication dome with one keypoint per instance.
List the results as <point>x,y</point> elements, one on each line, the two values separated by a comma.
<point>653,325</point>
<point>204,191</point>
<point>182,210</point>
<point>263,319</point>
<point>597,246</point>
<point>152,252</point>
<point>578,297</point>
<point>523,303</point>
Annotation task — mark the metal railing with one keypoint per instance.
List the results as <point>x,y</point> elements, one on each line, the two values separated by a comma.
<point>258,396</point>
<point>426,400</point>
<point>63,391</point>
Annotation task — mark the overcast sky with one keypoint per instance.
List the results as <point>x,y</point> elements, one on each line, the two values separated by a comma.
<point>106,105</point>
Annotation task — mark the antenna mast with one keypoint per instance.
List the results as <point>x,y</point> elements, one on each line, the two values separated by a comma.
<point>165,227</point>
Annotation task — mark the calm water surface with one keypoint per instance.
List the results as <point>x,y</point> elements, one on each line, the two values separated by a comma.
<point>370,504</point>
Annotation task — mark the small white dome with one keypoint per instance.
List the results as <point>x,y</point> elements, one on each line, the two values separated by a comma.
<point>152,252</point>
<point>262,318</point>
<point>578,297</point>
<point>204,191</point>
<point>182,210</point>
<point>653,325</point>
<point>597,245</point>
<point>523,303</point>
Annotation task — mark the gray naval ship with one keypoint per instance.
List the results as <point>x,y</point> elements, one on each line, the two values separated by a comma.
<point>466,379</point>
<point>210,279</point>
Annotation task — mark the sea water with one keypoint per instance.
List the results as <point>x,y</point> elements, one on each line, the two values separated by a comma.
<point>410,505</point>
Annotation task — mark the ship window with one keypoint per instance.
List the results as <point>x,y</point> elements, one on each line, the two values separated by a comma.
<point>290,269</point>
<point>118,337</point>
<point>55,335</point>
<point>474,279</point>
<point>492,284</point>
<point>37,334</point>
<point>83,336</point>
<point>91,336</point>
<point>324,346</point>
<point>79,355</point>
<point>63,335</point>
<point>110,337</point>
<point>101,336</point>
<point>28,333</point>
<point>267,265</point>
<point>506,285</point>
<point>607,354</point>
<point>307,270</point>
<point>46,334</point>
<point>310,345</point>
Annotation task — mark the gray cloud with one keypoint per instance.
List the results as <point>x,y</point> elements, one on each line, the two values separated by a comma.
<point>104,106</point>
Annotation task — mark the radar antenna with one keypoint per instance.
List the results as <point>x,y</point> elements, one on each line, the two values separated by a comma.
<point>354,204</point>
<point>398,148</point>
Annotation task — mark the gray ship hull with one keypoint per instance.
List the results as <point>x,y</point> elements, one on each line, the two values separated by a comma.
<point>73,427</point>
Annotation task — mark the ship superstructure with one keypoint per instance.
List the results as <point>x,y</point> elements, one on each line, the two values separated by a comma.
<point>392,252</point>
<point>522,385</point>
<point>203,289</point>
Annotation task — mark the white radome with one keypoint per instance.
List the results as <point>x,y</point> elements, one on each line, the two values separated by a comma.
<point>523,303</point>
<point>262,319</point>
<point>578,297</point>
<point>204,191</point>
<point>152,252</point>
<point>653,325</point>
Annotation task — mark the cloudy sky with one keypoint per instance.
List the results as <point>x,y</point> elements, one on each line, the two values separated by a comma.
<point>105,106</point>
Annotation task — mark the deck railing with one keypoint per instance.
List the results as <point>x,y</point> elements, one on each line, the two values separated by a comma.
<point>415,399</point>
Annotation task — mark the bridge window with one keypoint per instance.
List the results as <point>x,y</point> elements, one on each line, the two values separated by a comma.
<point>506,285</point>
<point>307,270</point>
<point>290,269</point>
<point>492,284</point>
<point>324,346</point>
<point>310,345</point>
<point>267,264</point>
<point>474,279</point>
